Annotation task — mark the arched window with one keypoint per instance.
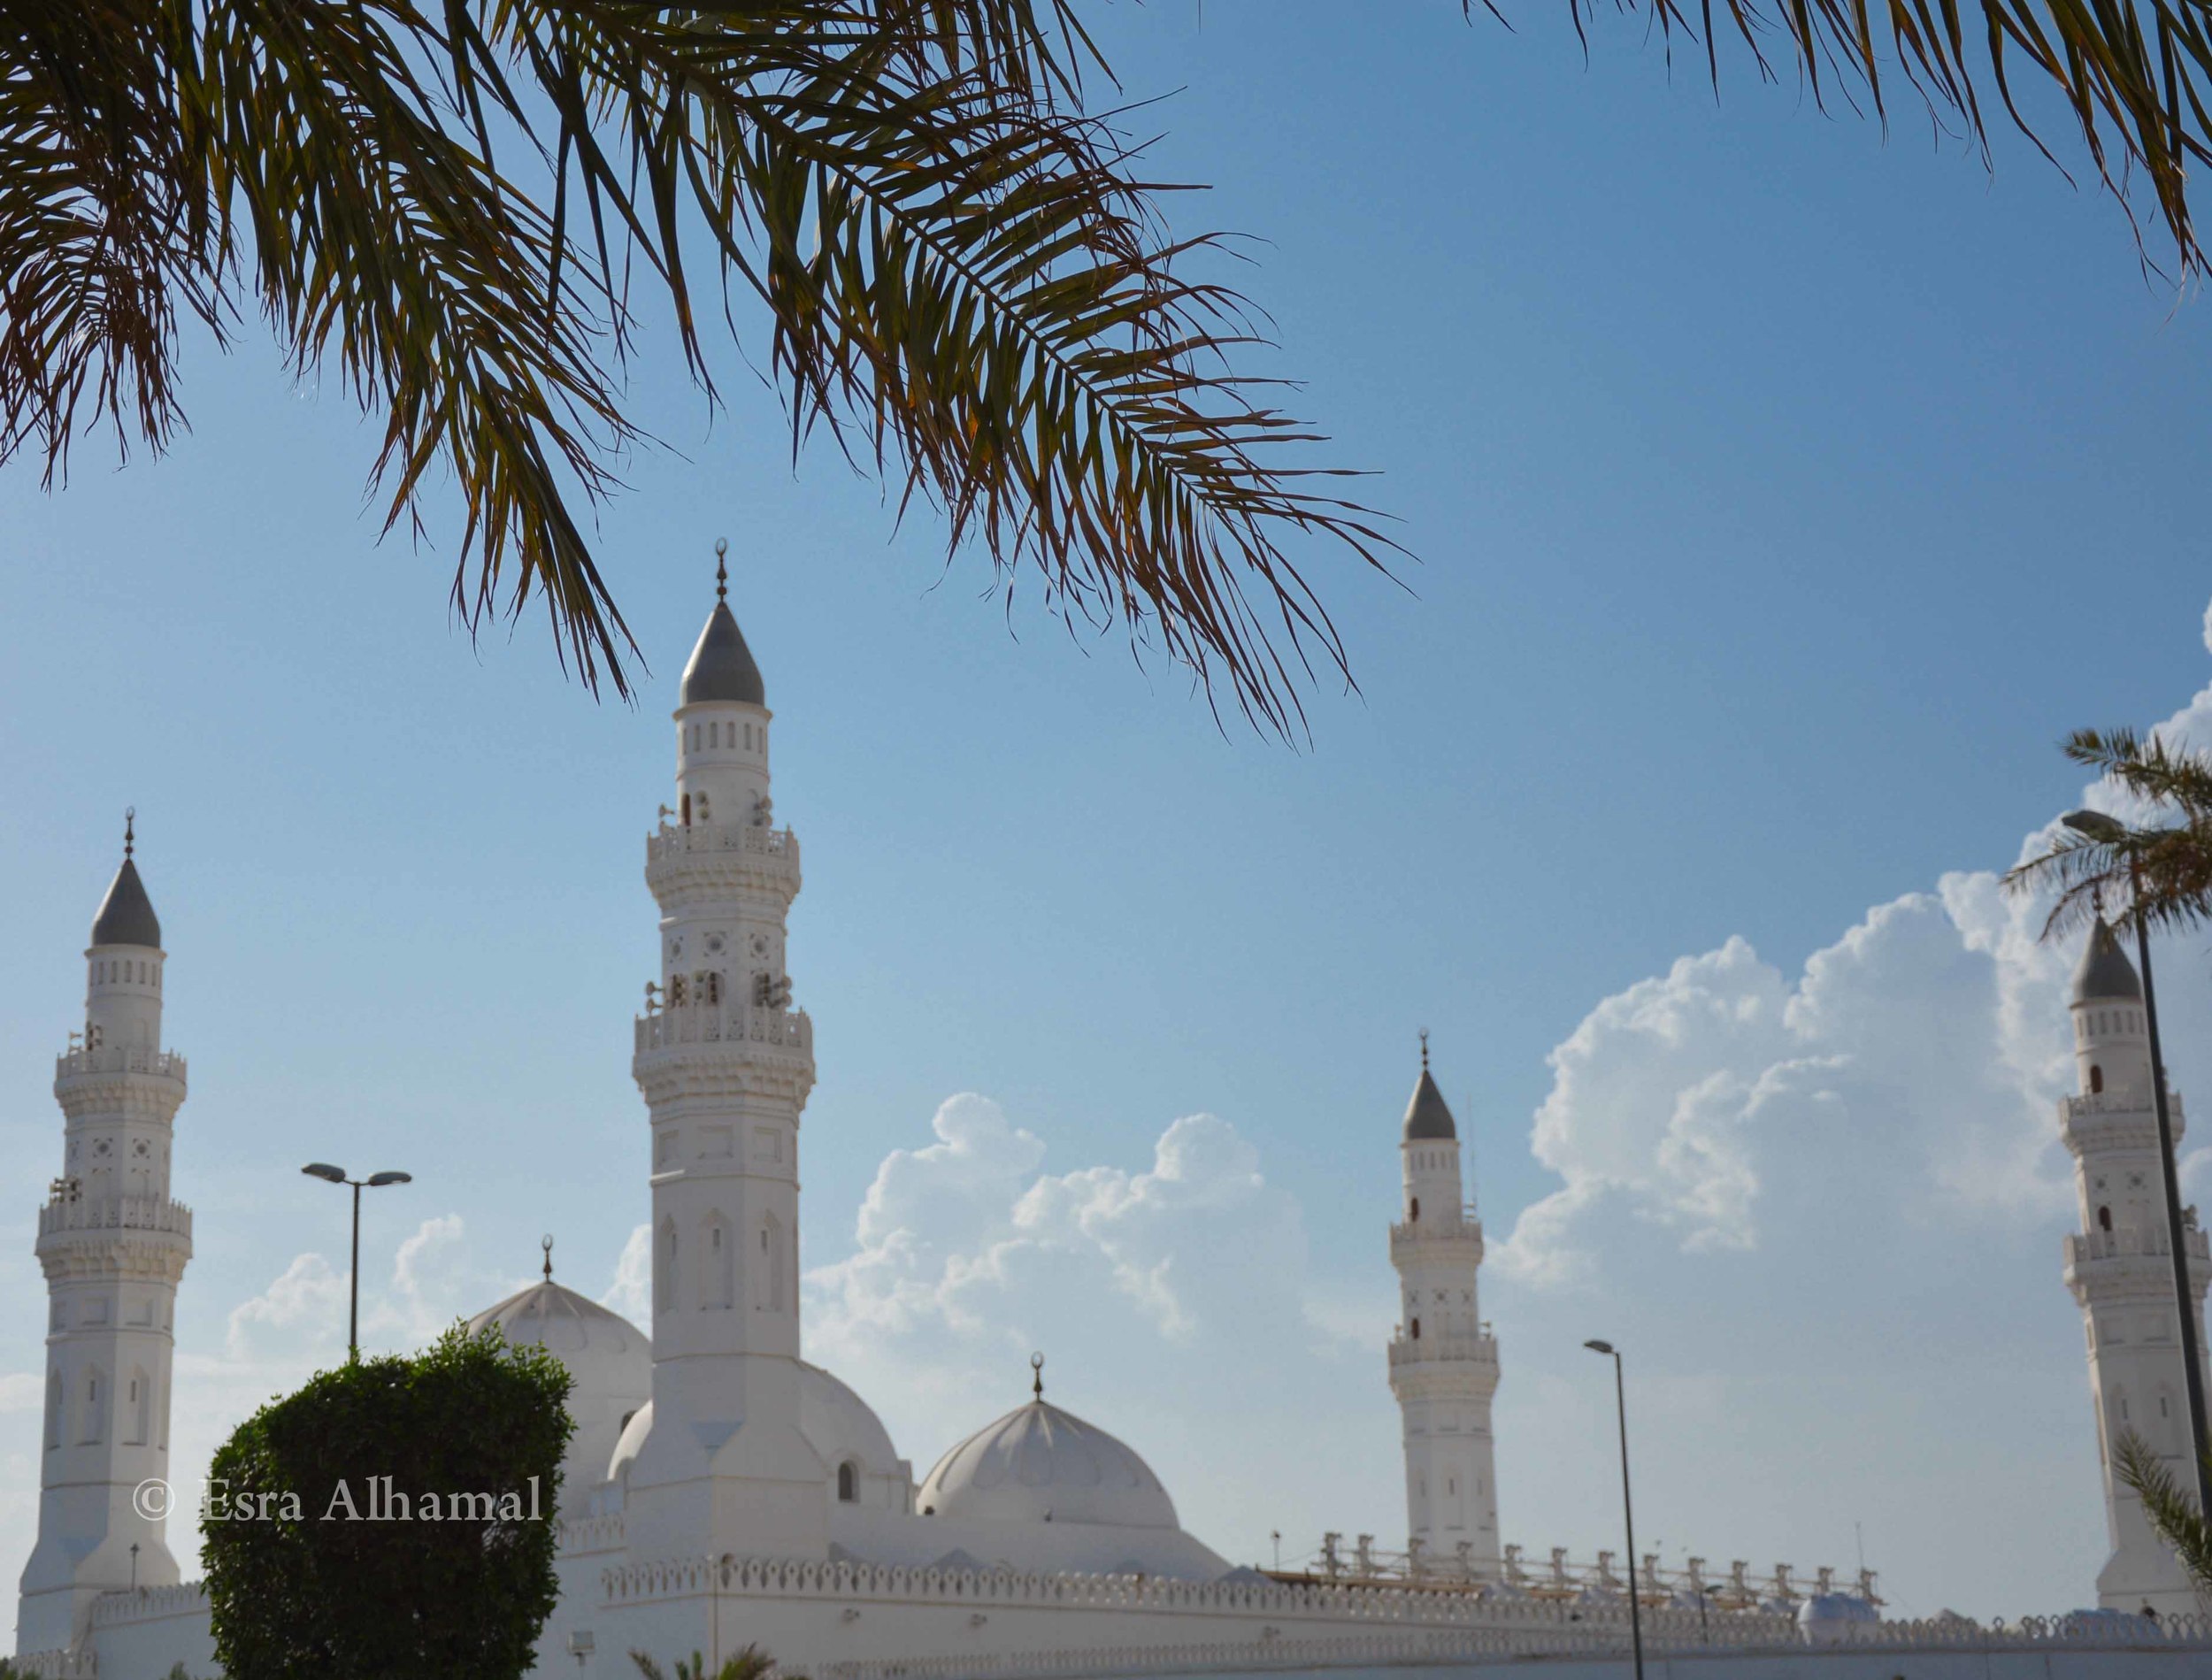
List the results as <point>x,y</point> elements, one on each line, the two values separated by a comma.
<point>768,1293</point>
<point>1415,1208</point>
<point>686,810</point>
<point>2096,1078</point>
<point>664,1272</point>
<point>1417,1329</point>
<point>140,1401</point>
<point>95,1397</point>
<point>719,1257</point>
<point>2104,1219</point>
<point>848,1483</point>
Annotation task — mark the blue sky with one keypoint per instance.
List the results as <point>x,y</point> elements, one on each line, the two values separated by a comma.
<point>1781,494</point>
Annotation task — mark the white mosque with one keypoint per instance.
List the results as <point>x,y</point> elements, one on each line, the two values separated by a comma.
<point>719,1490</point>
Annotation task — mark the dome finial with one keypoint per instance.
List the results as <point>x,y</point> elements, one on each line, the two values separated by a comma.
<point>1037,1375</point>
<point>721,568</point>
<point>1424,1049</point>
<point>130,835</point>
<point>546,1243</point>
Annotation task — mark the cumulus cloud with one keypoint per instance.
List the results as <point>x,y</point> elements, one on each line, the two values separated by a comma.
<point>631,1293</point>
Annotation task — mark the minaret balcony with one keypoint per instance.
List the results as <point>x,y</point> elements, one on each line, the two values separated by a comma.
<point>68,1214</point>
<point>165,1064</point>
<point>776,1034</point>
<point>722,854</point>
<point>2134,1244</point>
<point>1444,1350</point>
<point>1433,1238</point>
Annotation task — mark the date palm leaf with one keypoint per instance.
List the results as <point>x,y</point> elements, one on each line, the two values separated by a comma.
<point>2160,873</point>
<point>2132,79</point>
<point>2173,1514</point>
<point>465,213</point>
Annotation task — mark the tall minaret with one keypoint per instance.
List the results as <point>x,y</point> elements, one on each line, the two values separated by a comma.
<point>1443,1360</point>
<point>724,1065</point>
<point>113,1246</point>
<point>2121,1267</point>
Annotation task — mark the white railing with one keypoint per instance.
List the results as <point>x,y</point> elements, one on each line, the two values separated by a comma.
<point>115,1213</point>
<point>147,1603</point>
<point>682,1023</point>
<point>2118,1105</point>
<point>120,1059</point>
<point>586,1534</point>
<point>1465,1228</point>
<point>1479,1350</point>
<point>752,840</point>
<point>2131,1245</point>
<point>58,1665</point>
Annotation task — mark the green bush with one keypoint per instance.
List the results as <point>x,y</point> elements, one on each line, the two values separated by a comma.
<point>393,1519</point>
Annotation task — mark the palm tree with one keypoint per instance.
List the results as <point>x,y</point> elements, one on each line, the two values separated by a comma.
<point>2172,1511</point>
<point>2161,871</point>
<point>467,212</point>
<point>751,1663</point>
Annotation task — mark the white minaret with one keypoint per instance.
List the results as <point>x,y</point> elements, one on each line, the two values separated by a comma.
<point>724,1065</point>
<point>2121,1267</point>
<point>1443,1360</point>
<point>113,1246</point>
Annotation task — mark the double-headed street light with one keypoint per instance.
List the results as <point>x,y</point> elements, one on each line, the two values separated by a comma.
<point>1628,1508</point>
<point>2106,830</point>
<point>329,1174</point>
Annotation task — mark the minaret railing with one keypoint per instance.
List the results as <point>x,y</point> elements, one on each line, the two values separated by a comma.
<point>120,1059</point>
<point>115,1213</point>
<point>683,1024</point>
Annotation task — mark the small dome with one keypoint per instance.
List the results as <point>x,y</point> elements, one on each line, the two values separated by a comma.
<point>2105,970</point>
<point>610,1362</point>
<point>1040,1464</point>
<point>722,665</point>
<point>836,1421</point>
<point>1427,1118</point>
<point>126,915</point>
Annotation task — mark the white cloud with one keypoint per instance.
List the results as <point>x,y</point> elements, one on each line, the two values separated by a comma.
<point>631,1293</point>
<point>21,1392</point>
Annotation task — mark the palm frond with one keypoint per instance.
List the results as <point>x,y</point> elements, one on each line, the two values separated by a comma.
<point>2159,874</point>
<point>2173,1514</point>
<point>966,280</point>
<point>2132,79</point>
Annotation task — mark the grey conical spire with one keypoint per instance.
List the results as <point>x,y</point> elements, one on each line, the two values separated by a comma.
<point>1427,1116</point>
<point>2105,970</point>
<point>722,666</point>
<point>126,915</point>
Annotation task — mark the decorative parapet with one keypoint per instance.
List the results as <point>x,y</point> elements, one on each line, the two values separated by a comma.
<point>120,1059</point>
<point>737,1023</point>
<point>1477,1350</point>
<point>58,1665</point>
<point>584,1535</point>
<point>149,1604</point>
<point>67,1213</point>
<point>1273,1653</point>
<point>1416,1614</point>
<point>2134,1244</point>
<point>751,840</point>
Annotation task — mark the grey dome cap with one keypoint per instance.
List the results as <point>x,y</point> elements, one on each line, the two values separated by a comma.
<point>722,665</point>
<point>1427,1118</point>
<point>126,915</point>
<point>2105,970</point>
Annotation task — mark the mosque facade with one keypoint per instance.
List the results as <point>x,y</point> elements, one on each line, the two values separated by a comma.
<point>720,1490</point>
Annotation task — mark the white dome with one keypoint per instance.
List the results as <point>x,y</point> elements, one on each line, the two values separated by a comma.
<point>837,1423</point>
<point>1040,1464</point>
<point>609,1365</point>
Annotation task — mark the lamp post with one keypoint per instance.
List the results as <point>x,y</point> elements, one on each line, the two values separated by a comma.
<point>2098,827</point>
<point>1628,1508</point>
<point>329,1174</point>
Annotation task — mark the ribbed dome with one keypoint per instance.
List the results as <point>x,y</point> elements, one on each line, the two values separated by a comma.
<point>126,915</point>
<point>1040,1464</point>
<point>1427,1118</point>
<point>609,1359</point>
<point>722,665</point>
<point>2105,970</point>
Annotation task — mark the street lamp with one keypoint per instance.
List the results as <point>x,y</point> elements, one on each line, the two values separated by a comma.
<point>2106,830</point>
<point>329,1174</point>
<point>1628,1508</point>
